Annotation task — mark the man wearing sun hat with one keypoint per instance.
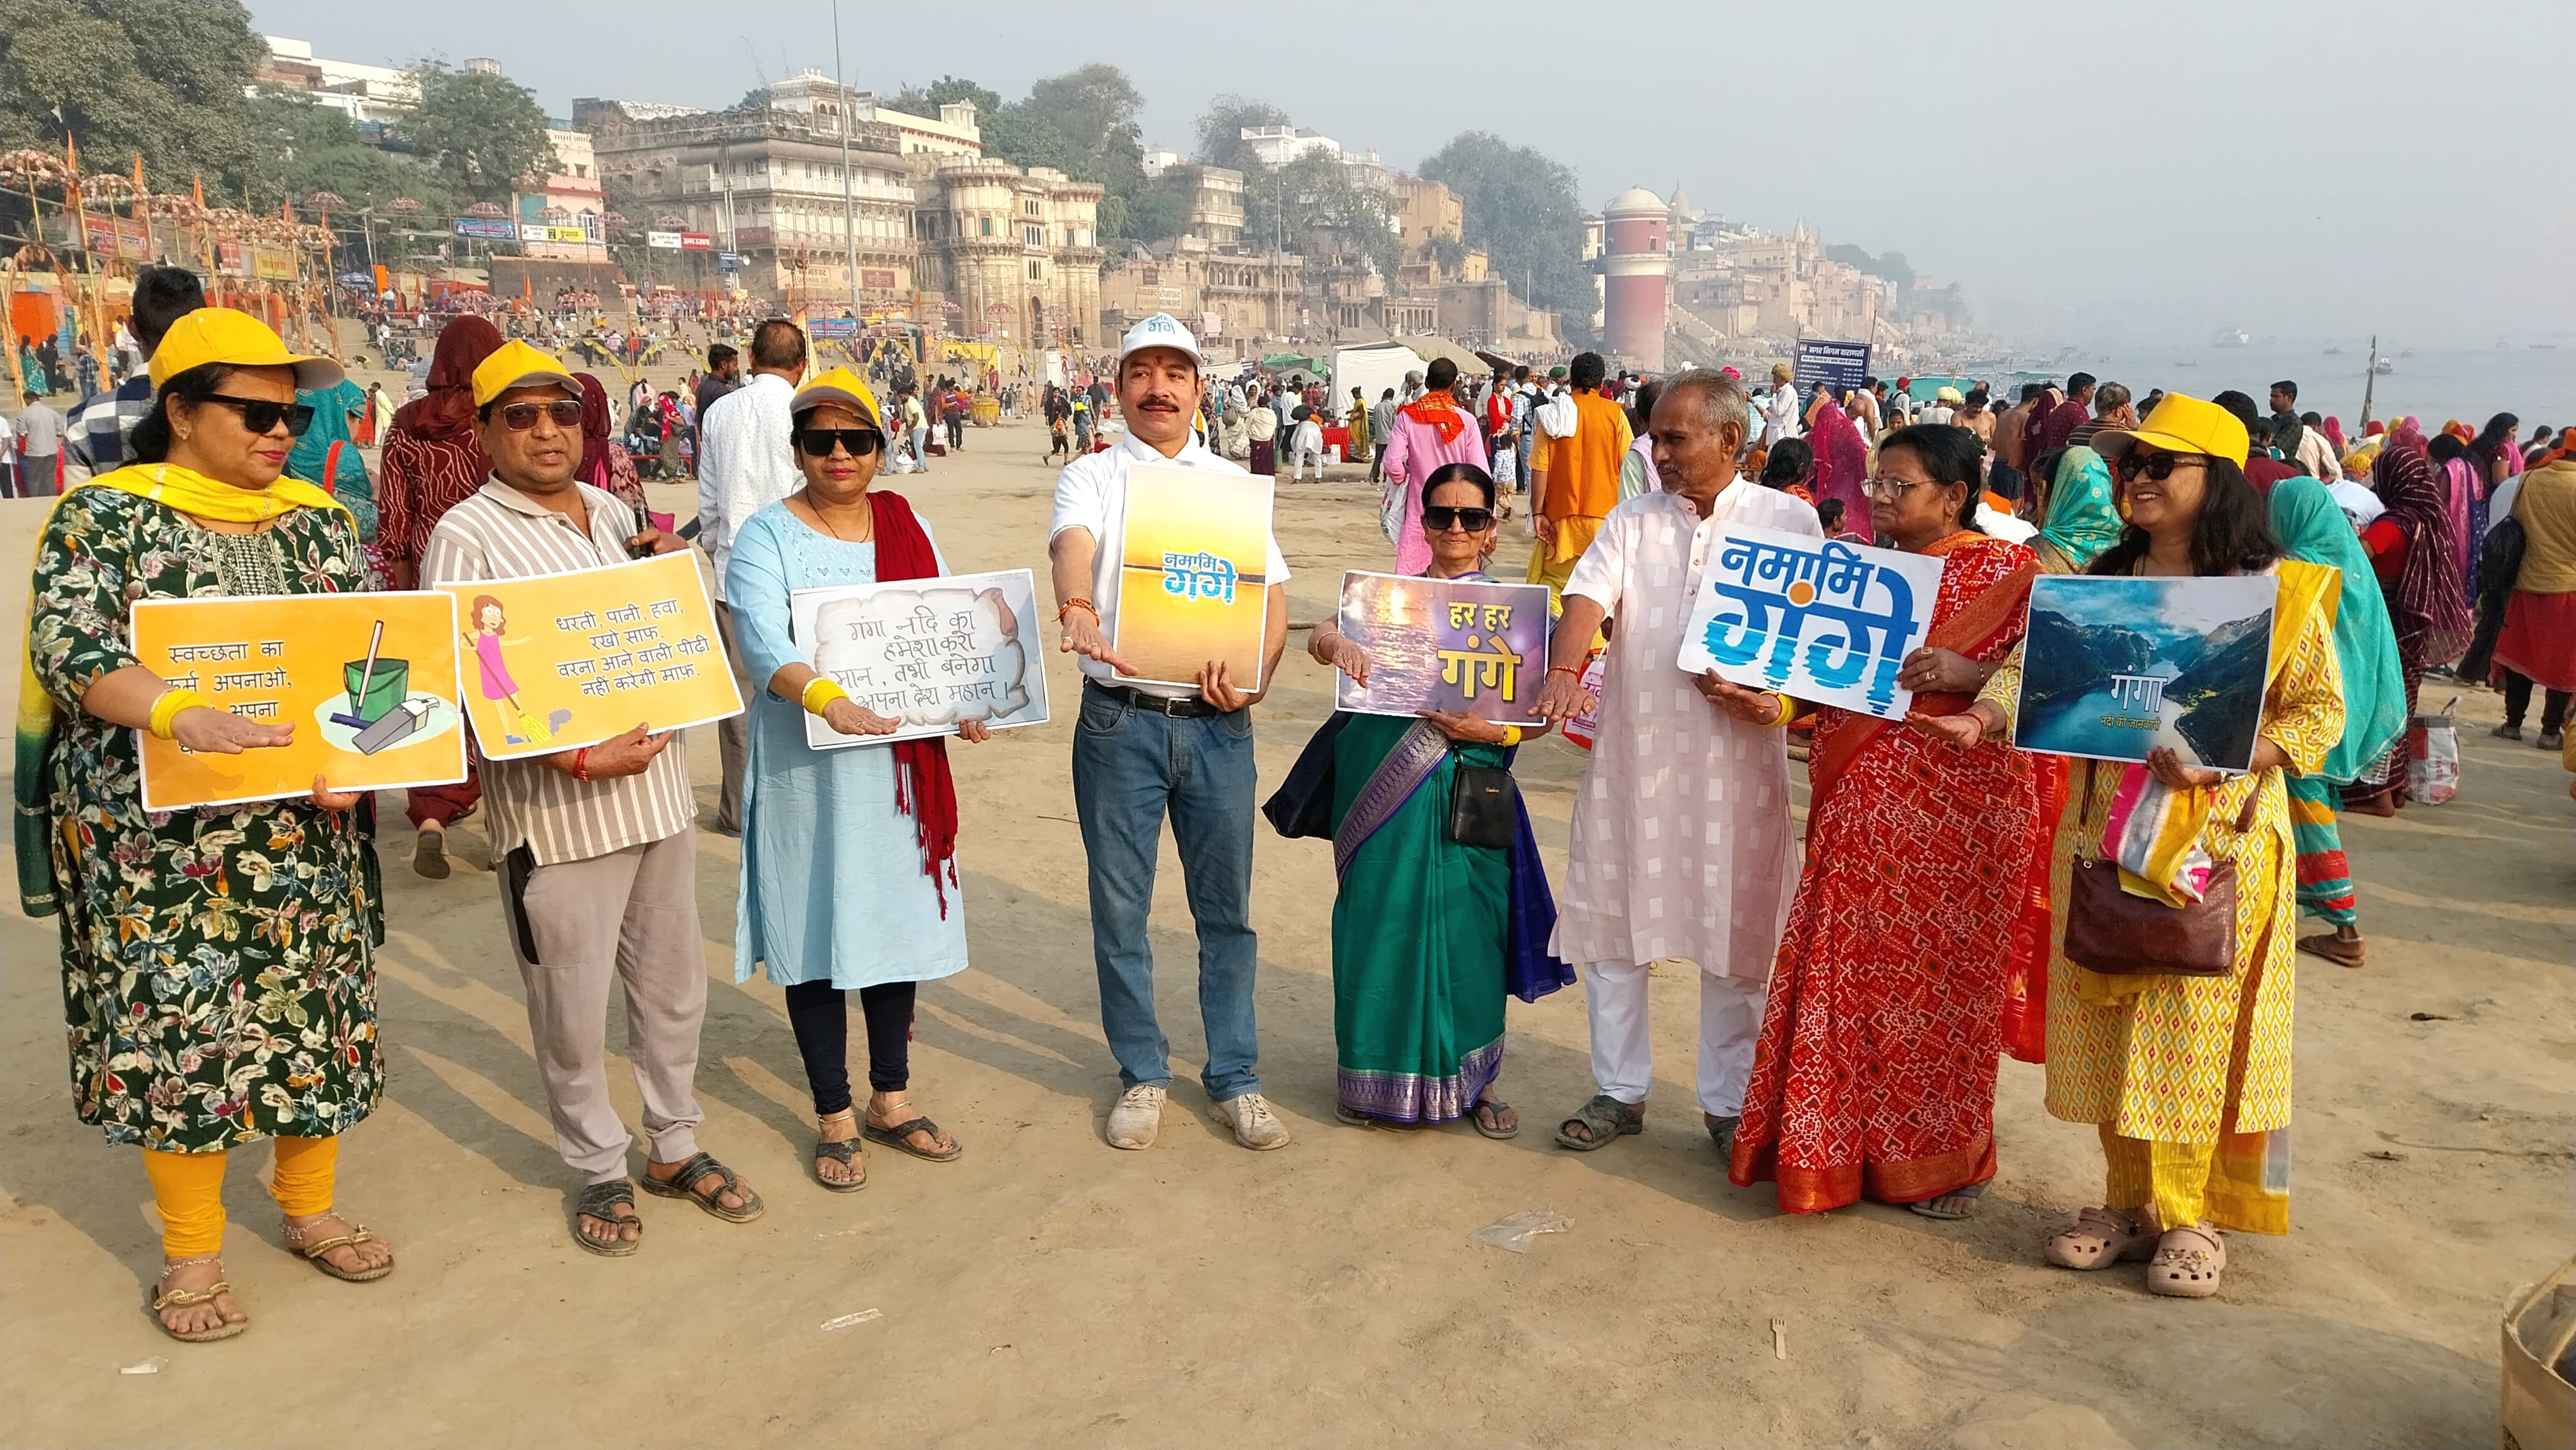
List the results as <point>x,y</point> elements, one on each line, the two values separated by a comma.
<point>1144,751</point>
<point>597,846</point>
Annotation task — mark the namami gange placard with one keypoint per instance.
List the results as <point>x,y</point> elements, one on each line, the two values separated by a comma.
<point>1445,644</point>
<point>1818,620</point>
<point>369,682</point>
<point>1193,577</point>
<point>561,661</point>
<point>928,652</point>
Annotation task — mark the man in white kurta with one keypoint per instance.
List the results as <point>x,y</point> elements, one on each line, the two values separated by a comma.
<point>1682,845</point>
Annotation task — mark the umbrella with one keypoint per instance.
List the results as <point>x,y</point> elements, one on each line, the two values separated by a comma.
<point>326,199</point>
<point>403,206</point>
<point>485,210</point>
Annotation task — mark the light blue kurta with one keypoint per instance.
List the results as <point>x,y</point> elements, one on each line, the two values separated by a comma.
<point>832,883</point>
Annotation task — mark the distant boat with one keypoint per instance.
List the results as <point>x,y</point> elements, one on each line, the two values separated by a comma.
<point>2334,352</point>
<point>2231,337</point>
<point>2409,352</point>
<point>2385,365</point>
<point>2544,346</point>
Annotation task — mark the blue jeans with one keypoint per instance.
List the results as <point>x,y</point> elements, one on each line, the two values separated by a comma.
<point>921,447</point>
<point>1130,767</point>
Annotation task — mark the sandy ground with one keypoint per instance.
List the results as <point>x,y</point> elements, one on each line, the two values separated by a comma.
<point>1048,1287</point>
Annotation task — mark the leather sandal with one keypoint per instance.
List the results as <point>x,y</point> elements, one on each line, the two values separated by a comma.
<point>154,1303</point>
<point>844,1152</point>
<point>1601,1119</point>
<point>2338,950</point>
<point>2100,1238</point>
<point>314,1250</point>
<point>2187,1263</point>
<point>599,1201</point>
<point>699,1168</point>
<point>899,1137</point>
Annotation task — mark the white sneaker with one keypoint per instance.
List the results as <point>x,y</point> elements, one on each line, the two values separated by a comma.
<point>1133,1123</point>
<point>1254,1125</point>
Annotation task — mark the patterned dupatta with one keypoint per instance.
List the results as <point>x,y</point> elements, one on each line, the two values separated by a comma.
<point>1994,614</point>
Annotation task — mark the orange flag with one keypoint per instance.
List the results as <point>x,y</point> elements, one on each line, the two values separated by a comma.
<point>197,187</point>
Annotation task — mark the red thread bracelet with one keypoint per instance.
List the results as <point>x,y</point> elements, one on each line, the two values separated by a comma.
<point>581,765</point>
<point>1567,669</point>
<point>1072,604</point>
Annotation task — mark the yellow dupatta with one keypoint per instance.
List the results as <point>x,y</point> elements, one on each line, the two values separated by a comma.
<point>171,486</point>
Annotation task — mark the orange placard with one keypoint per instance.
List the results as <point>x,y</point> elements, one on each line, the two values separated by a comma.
<point>561,661</point>
<point>1194,574</point>
<point>367,680</point>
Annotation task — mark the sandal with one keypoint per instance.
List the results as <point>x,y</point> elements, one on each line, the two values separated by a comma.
<point>1603,1118</point>
<point>1974,1193</point>
<point>154,1303</point>
<point>844,1152</point>
<point>700,1168</point>
<point>1489,1111</point>
<point>314,1251</point>
<point>596,1201</point>
<point>1350,1118</point>
<point>2102,1237</point>
<point>2338,950</point>
<point>1722,1133</point>
<point>899,1137</point>
<point>2187,1263</point>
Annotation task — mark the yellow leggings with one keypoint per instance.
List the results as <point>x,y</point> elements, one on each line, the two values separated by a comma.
<point>2241,1181</point>
<point>188,1189</point>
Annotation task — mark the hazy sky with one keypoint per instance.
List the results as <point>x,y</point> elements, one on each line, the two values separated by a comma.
<point>2106,175</point>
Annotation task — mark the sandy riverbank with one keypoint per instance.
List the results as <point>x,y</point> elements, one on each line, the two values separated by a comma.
<point>1046,1287</point>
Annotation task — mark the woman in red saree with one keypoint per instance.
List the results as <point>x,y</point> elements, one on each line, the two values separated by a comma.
<point>1875,1071</point>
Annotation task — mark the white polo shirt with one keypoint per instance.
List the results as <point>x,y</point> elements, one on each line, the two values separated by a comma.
<point>1091,494</point>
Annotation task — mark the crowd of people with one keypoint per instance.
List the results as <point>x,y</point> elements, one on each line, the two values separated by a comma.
<point>1855,997</point>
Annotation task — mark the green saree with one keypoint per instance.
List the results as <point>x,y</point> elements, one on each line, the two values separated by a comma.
<point>1421,928</point>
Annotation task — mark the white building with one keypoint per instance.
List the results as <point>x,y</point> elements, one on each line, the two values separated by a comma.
<point>1279,145</point>
<point>364,93</point>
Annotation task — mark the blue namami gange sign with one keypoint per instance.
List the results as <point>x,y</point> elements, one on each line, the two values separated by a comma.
<point>1826,622</point>
<point>1199,576</point>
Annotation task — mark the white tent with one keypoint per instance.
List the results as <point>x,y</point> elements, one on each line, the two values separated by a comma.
<point>1372,369</point>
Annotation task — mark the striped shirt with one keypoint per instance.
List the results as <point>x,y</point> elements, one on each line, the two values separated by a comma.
<point>501,533</point>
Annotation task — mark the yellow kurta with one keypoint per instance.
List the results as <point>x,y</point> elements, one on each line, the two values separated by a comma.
<point>2181,1059</point>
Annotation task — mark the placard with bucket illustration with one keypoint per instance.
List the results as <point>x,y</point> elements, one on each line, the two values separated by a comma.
<point>1193,581</point>
<point>369,681</point>
<point>560,661</point>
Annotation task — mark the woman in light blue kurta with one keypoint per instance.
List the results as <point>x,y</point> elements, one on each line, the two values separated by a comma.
<point>835,895</point>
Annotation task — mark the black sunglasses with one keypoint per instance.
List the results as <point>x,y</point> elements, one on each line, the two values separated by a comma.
<point>819,442</point>
<point>260,415</point>
<point>2155,464</point>
<point>520,417</point>
<point>1439,518</point>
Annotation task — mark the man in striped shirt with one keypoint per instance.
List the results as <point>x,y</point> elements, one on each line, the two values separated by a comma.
<point>598,846</point>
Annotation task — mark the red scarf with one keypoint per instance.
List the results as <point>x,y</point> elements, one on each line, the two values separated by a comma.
<point>1440,413</point>
<point>923,787</point>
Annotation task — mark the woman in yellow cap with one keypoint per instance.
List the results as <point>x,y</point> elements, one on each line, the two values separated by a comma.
<point>2187,1078</point>
<point>849,877</point>
<point>218,963</point>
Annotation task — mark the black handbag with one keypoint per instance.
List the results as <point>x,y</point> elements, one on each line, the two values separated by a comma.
<point>1484,807</point>
<point>1303,804</point>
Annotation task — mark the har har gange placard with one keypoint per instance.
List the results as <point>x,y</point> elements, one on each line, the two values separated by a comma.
<point>1823,621</point>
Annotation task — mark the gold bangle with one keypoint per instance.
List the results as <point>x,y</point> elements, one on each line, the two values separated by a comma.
<point>167,708</point>
<point>830,690</point>
<point>1511,736</point>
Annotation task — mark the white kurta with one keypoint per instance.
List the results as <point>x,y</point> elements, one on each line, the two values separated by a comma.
<point>1682,843</point>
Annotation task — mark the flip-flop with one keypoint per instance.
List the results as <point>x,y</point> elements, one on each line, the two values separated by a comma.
<point>845,1152</point>
<point>2333,948</point>
<point>899,1137</point>
<point>1497,1106</point>
<point>153,1303</point>
<point>1973,1192</point>
<point>314,1250</point>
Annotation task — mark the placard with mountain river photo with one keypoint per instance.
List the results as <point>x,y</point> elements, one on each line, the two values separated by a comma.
<point>2114,667</point>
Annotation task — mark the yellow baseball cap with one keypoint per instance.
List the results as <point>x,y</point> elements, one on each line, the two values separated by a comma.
<point>842,386</point>
<point>223,335</point>
<point>514,364</point>
<point>2180,425</point>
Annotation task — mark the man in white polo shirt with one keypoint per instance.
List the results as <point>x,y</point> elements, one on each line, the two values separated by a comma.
<point>1143,751</point>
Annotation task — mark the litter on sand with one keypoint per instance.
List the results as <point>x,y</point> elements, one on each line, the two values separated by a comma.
<point>846,1320</point>
<point>1779,1340</point>
<point>1514,1231</point>
<point>145,1366</point>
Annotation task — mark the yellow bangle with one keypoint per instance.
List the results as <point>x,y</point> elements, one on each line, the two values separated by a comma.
<point>167,708</point>
<point>1788,710</point>
<point>1511,736</point>
<point>827,688</point>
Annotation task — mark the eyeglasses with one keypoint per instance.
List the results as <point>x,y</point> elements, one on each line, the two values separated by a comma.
<point>2155,463</point>
<point>260,415</point>
<point>520,417</point>
<point>1889,490</point>
<point>1439,518</point>
<point>819,442</point>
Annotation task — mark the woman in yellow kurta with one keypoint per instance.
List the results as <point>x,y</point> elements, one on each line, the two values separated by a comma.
<point>2188,1078</point>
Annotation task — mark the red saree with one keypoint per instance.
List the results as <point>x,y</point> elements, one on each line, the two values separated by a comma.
<point>1875,1069</point>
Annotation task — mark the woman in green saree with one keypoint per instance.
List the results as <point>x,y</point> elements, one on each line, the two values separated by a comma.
<point>1428,934</point>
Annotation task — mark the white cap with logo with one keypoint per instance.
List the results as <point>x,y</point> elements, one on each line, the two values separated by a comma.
<point>1160,330</point>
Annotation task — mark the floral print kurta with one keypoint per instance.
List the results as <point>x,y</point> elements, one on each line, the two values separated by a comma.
<point>219,977</point>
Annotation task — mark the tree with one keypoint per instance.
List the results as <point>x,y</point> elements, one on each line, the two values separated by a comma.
<point>1522,209</point>
<point>947,90</point>
<point>163,78</point>
<point>1315,206</point>
<point>1890,266</point>
<point>1221,128</point>
<point>301,148</point>
<point>483,132</point>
